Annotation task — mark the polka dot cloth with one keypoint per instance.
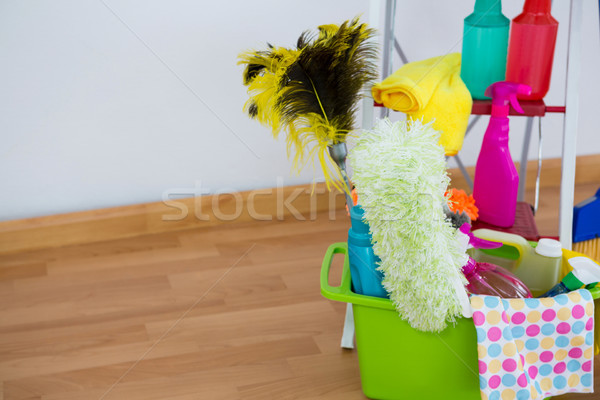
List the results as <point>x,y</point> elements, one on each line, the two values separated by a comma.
<point>534,348</point>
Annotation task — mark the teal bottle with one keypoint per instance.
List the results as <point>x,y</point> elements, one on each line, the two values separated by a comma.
<point>366,279</point>
<point>485,44</point>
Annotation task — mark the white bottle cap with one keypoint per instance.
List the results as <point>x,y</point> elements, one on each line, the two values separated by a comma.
<point>549,248</point>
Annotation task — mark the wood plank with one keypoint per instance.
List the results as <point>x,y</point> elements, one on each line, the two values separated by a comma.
<point>62,361</point>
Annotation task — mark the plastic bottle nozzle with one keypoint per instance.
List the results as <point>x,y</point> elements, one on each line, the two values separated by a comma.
<point>585,272</point>
<point>522,89</point>
<point>476,242</point>
<point>503,93</point>
<point>469,267</point>
<point>515,103</point>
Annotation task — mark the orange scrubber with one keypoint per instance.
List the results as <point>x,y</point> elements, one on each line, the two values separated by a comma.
<point>458,200</point>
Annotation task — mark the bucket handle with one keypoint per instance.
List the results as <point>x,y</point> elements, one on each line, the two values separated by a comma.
<point>510,239</point>
<point>334,292</point>
<point>343,292</point>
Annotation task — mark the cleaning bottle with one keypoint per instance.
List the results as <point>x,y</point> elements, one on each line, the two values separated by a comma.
<point>485,43</point>
<point>531,48</point>
<point>366,279</point>
<point>496,179</point>
<point>585,271</point>
<point>538,268</point>
<point>493,280</point>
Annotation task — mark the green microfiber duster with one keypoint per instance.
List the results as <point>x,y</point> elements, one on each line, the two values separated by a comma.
<point>400,176</point>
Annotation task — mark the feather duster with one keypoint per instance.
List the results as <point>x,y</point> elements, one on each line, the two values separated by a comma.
<point>400,176</point>
<point>312,92</point>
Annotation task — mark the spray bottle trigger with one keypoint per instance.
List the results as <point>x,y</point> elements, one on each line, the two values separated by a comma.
<point>515,103</point>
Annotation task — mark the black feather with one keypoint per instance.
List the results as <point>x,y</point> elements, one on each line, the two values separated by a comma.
<point>252,110</point>
<point>329,74</point>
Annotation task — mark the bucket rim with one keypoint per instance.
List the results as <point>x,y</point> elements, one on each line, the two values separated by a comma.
<point>344,293</point>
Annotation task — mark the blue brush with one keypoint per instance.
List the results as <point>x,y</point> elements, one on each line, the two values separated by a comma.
<point>586,227</point>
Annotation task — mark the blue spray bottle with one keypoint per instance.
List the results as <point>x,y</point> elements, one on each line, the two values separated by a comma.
<point>366,279</point>
<point>585,271</point>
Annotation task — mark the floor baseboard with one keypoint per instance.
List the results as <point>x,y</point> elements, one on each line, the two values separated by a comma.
<point>301,202</point>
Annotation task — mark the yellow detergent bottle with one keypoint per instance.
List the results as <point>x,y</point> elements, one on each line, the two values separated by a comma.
<point>538,267</point>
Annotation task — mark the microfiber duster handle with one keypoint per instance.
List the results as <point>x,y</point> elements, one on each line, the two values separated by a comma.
<point>338,153</point>
<point>503,93</point>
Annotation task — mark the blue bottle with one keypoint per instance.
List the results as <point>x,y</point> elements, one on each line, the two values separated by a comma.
<point>366,279</point>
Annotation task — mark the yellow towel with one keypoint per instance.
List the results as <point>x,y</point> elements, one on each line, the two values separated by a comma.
<point>431,89</point>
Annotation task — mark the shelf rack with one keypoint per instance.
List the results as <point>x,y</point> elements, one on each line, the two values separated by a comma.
<point>532,109</point>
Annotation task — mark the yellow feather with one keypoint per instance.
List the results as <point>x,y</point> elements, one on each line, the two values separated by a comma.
<point>327,31</point>
<point>264,88</point>
<point>313,129</point>
<point>263,93</point>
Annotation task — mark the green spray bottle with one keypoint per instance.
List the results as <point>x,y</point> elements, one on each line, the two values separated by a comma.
<point>485,44</point>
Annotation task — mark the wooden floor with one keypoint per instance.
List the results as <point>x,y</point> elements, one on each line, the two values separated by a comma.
<point>228,312</point>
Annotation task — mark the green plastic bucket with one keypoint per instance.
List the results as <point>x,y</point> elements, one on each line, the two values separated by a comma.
<point>399,362</point>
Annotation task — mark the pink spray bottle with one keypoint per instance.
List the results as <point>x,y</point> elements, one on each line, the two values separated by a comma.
<point>496,179</point>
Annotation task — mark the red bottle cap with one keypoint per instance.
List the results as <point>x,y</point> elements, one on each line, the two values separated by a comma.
<point>537,6</point>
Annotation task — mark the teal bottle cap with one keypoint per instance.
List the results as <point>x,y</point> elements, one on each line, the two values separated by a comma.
<point>488,13</point>
<point>488,7</point>
<point>359,224</point>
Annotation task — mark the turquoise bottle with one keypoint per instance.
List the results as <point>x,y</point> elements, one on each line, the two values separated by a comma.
<point>366,279</point>
<point>485,44</point>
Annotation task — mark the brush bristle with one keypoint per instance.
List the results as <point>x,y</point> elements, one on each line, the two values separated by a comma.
<point>590,248</point>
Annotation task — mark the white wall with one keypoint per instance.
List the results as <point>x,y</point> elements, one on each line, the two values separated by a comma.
<point>115,103</point>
